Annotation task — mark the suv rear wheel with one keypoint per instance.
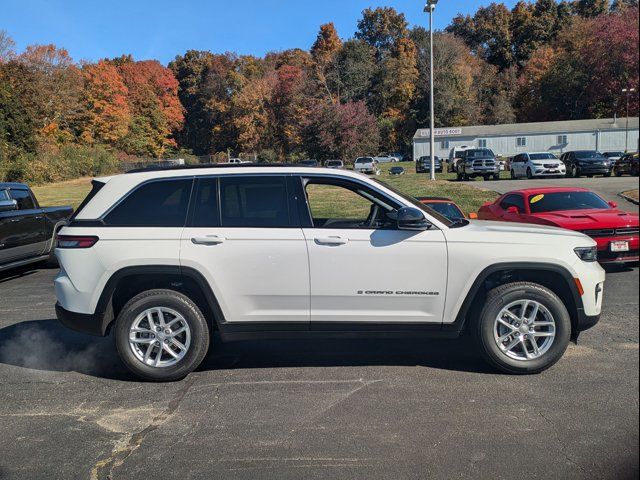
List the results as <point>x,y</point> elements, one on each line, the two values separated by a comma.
<point>523,328</point>
<point>161,335</point>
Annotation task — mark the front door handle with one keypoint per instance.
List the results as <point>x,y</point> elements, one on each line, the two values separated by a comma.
<point>208,240</point>
<point>332,241</point>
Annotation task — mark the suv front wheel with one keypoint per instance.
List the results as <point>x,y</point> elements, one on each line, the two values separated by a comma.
<point>523,328</point>
<point>161,335</point>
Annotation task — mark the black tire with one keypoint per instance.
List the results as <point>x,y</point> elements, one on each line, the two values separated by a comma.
<point>496,176</point>
<point>618,173</point>
<point>459,176</point>
<point>575,172</point>
<point>506,294</point>
<point>513,175</point>
<point>193,316</point>
<point>607,175</point>
<point>529,173</point>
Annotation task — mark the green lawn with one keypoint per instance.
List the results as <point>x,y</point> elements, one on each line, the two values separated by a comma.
<point>469,198</point>
<point>71,192</point>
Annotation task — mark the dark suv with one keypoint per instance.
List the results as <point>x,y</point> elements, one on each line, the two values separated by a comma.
<point>627,164</point>
<point>587,163</point>
<point>423,165</point>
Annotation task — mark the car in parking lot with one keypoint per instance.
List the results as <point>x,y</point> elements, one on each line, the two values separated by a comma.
<point>27,230</point>
<point>334,164</point>
<point>533,165</point>
<point>423,165</point>
<point>613,156</point>
<point>366,165</point>
<point>588,163</point>
<point>163,257</point>
<point>627,165</point>
<point>578,209</point>
<point>478,162</point>
<point>447,207</point>
<point>455,155</point>
<point>396,171</point>
<point>387,158</point>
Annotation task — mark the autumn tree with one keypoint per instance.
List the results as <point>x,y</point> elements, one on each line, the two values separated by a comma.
<point>7,46</point>
<point>341,131</point>
<point>590,8</point>
<point>324,52</point>
<point>105,95</point>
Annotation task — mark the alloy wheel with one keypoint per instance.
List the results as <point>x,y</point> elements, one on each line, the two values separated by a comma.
<point>159,337</point>
<point>524,330</point>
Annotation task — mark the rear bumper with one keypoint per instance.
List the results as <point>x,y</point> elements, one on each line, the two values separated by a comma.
<point>91,324</point>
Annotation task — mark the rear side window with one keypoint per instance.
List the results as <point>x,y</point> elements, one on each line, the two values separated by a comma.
<point>254,202</point>
<point>205,211</point>
<point>156,204</point>
<point>24,199</point>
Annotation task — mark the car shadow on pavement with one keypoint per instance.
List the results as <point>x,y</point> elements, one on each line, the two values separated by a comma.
<point>46,345</point>
<point>449,354</point>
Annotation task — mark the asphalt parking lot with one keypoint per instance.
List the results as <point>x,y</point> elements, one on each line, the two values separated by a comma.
<point>608,188</point>
<point>323,409</point>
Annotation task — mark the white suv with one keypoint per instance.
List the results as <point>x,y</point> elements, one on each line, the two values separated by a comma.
<point>532,165</point>
<point>161,258</point>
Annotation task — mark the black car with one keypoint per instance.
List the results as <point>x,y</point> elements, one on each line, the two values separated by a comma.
<point>27,230</point>
<point>423,165</point>
<point>627,164</point>
<point>587,163</point>
<point>309,163</point>
<point>396,171</point>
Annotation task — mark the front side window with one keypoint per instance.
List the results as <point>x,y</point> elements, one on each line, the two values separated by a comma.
<point>346,206</point>
<point>23,198</point>
<point>161,203</point>
<point>4,195</point>
<point>513,201</point>
<point>254,202</point>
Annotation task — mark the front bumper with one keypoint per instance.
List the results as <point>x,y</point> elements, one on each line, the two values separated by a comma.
<point>92,324</point>
<point>605,255</point>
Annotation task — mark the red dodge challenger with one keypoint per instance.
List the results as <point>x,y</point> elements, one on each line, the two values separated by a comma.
<point>574,209</point>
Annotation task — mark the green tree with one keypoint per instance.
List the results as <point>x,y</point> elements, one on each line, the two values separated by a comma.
<point>590,8</point>
<point>382,28</point>
<point>356,67</point>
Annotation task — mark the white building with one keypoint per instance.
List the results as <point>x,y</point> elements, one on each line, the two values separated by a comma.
<point>604,135</point>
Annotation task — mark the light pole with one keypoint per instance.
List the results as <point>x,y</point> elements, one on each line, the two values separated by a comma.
<point>430,7</point>
<point>628,91</point>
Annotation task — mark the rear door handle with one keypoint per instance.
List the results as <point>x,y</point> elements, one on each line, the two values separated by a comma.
<point>208,240</point>
<point>332,241</point>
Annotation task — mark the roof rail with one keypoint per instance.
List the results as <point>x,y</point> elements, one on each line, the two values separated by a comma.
<point>210,165</point>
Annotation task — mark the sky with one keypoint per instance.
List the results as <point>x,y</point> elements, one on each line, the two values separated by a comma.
<point>162,29</point>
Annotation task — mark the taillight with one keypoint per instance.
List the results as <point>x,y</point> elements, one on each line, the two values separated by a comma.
<point>76,241</point>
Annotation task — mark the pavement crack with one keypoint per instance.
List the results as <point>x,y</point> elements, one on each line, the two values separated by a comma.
<point>561,445</point>
<point>129,443</point>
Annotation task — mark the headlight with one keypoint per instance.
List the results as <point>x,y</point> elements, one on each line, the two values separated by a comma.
<point>587,254</point>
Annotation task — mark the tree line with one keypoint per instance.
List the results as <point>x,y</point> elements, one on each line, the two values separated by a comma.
<point>539,61</point>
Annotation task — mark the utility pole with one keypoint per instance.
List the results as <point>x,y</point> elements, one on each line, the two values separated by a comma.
<point>430,7</point>
<point>628,91</point>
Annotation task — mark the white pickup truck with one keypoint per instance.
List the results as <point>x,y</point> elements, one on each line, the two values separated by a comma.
<point>162,258</point>
<point>367,165</point>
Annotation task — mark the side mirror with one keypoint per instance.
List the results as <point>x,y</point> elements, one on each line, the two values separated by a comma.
<point>8,205</point>
<point>412,219</point>
<point>473,216</point>
<point>613,204</point>
<point>513,210</point>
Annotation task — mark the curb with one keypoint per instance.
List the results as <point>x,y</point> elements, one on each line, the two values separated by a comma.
<point>629,199</point>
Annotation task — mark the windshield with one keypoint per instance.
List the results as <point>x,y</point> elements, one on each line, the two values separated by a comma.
<point>542,156</point>
<point>449,210</point>
<point>415,203</point>
<point>364,160</point>
<point>554,202</point>
<point>479,153</point>
<point>614,154</point>
<point>588,154</point>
